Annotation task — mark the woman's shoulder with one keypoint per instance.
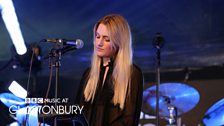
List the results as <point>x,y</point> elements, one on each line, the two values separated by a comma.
<point>136,69</point>
<point>137,78</point>
<point>136,72</point>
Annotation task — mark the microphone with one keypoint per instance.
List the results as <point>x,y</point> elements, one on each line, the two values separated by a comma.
<point>78,43</point>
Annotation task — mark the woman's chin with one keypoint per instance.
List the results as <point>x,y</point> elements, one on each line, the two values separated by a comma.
<point>100,55</point>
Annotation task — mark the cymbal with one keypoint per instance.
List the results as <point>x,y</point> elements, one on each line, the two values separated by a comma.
<point>10,99</point>
<point>180,96</point>
<point>215,114</point>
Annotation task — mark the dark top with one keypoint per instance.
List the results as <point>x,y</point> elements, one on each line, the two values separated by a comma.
<point>102,112</point>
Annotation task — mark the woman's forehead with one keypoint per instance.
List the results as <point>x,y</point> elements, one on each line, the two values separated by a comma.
<point>102,30</point>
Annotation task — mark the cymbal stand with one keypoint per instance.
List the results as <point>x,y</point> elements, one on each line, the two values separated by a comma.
<point>158,43</point>
<point>172,118</point>
<point>172,115</point>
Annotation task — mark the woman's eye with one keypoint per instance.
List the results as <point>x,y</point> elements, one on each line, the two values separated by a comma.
<point>107,40</point>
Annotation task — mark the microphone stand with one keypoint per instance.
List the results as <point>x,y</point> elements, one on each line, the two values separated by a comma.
<point>158,43</point>
<point>55,60</point>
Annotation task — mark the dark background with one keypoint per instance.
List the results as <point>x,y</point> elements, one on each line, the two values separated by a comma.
<point>194,44</point>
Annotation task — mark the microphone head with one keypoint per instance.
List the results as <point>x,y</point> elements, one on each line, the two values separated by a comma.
<point>79,43</point>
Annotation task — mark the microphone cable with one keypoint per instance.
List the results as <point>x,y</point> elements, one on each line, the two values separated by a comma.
<point>27,88</point>
<point>49,85</point>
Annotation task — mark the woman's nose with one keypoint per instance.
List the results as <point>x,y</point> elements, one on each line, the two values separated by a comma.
<point>100,42</point>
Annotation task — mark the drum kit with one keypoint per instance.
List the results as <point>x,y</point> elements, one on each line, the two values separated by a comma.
<point>175,99</point>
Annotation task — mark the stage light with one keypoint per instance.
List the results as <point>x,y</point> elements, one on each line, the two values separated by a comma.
<point>11,22</point>
<point>17,90</point>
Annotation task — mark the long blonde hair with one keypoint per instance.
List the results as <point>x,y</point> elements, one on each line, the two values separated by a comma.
<point>120,36</point>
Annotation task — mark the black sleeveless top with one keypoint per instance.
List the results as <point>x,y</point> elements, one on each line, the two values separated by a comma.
<point>102,112</point>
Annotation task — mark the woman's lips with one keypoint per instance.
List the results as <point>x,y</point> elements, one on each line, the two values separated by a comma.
<point>100,49</point>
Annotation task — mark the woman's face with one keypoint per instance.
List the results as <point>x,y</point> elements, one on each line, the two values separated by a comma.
<point>103,44</point>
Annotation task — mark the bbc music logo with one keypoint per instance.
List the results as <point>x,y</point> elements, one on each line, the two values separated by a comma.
<point>46,100</point>
<point>34,100</point>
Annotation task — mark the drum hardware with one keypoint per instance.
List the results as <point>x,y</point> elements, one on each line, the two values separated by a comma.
<point>172,118</point>
<point>175,99</point>
<point>172,114</point>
